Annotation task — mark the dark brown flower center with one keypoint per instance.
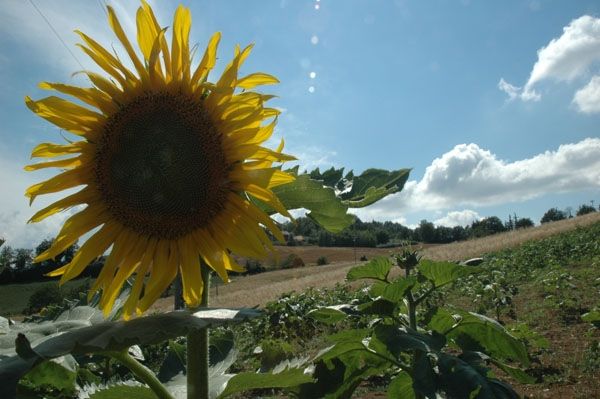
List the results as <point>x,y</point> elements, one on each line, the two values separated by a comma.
<point>160,165</point>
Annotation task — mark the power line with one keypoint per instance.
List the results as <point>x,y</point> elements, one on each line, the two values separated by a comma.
<point>56,33</point>
<point>102,5</point>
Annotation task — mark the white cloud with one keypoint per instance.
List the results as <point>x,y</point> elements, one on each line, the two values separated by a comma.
<point>565,58</point>
<point>512,91</point>
<point>458,218</point>
<point>471,176</point>
<point>587,99</point>
<point>15,209</point>
<point>21,23</point>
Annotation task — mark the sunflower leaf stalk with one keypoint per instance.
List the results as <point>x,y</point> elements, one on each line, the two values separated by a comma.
<point>141,372</point>
<point>198,351</point>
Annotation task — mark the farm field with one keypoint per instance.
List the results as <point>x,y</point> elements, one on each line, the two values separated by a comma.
<point>264,287</point>
<point>546,285</point>
<point>537,282</point>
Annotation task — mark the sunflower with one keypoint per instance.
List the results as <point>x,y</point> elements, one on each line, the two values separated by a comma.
<point>171,165</point>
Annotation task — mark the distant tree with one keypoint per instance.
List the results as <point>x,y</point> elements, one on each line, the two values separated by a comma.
<point>459,233</point>
<point>522,223</point>
<point>553,215</point>
<point>23,258</point>
<point>444,234</point>
<point>487,226</point>
<point>7,256</point>
<point>585,209</point>
<point>382,237</point>
<point>425,232</point>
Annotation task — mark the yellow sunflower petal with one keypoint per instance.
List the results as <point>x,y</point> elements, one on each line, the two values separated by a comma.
<point>254,213</point>
<point>208,60</point>
<point>90,250</point>
<point>116,27</point>
<point>65,114</point>
<point>106,58</point>
<point>91,96</point>
<point>126,269</point>
<point>163,41</point>
<point>105,85</point>
<point>156,74</point>
<point>121,248</point>
<point>191,276</point>
<point>147,31</point>
<point>84,196</point>
<point>256,79</point>
<point>180,60</point>
<point>134,296</point>
<point>68,163</point>
<point>70,178</point>
<point>73,228</point>
<point>211,253</point>
<point>164,270</point>
<point>268,197</point>
<point>45,150</point>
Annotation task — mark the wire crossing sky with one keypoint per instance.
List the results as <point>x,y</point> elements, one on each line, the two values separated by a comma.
<point>494,105</point>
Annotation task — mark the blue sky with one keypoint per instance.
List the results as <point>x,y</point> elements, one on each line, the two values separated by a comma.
<point>495,105</point>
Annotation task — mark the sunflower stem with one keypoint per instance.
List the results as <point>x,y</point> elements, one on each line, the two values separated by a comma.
<point>142,372</point>
<point>178,302</point>
<point>197,351</point>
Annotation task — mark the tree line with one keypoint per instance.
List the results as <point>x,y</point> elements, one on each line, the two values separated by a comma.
<point>373,234</point>
<point>16,264</point>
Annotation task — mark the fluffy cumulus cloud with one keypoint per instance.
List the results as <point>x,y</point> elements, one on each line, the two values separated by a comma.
<point>566,58</point>
<point>587,99</point>
<point>458,218</point>
<point>469,175</point>
<point>15,210</point>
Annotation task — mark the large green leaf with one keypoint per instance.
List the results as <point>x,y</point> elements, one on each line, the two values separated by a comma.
<point>401,387</point>
<point>475,332</point>
<point>327,315</point>
<point>330,178</point>
<point>340,375</point>
<point>465,380</point>
<point>115,336</point>
<point>59,373</point>
<point>442,321</point>
<point>442,273</point>
<point>393,292</point>
<point>392,340</point>
<point>376,269</point>
<point>373,185</point>
<point>120,391</point>
<point>324,207</point>
<point>379,307</point>
<point>217,377</point>
<point>174,363</point>
<point>515,372</point>
<point>327,196</point>
<point>593,316</point>
<point>247,381</point>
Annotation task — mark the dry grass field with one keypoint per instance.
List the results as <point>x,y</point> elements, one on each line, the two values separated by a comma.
<point>262,288</point>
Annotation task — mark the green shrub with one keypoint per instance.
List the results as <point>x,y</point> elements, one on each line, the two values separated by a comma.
<point>322,260</point>
<point>254,267</point>
<point>272,352</point>
<point>291,262</point>
<point>46,295</point>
